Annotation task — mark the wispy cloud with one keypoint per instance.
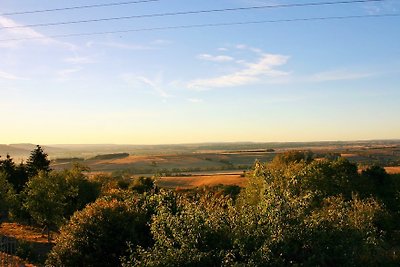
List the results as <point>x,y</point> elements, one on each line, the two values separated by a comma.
<point>247,73</point>
<point>79,60</point>
<point>65,74</point>
<point>29,34</point>
<point>120,45</point>
<point>250,48</point>
<point>381,7</point>
<point>156,44</point>
<point>219,58</point>
<point>337,75</point>
<point>195,100</point>
<point>9,76</point>
<point>160,42</point>
<point>156,85</point>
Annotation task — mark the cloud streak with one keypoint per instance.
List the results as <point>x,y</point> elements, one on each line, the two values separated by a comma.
<point>338,75</point>
<point>65,74</point>
<point>9,76</point>
<point>79,60</point>
<point>219,58</point>
<point>156,85</point>
<point>156,44</point>
<point>25,32</point>
<point>262,68</point>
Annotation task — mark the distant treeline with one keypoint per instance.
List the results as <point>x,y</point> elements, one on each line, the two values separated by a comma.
<point>110,156</point>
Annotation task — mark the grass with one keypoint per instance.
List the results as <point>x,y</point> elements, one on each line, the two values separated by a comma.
<point>23,232</point>
<point>32,245</point>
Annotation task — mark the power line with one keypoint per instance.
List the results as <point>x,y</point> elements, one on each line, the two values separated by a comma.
<point>193,12</point>
<point>206,25</point>
<point>78,7</point>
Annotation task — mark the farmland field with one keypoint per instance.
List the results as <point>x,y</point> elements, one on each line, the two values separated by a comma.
<point>393,170</point>
<point>174,160</point>
<point>186,182</point>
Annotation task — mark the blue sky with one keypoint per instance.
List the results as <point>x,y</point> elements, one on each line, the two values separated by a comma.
<point>292,81</point>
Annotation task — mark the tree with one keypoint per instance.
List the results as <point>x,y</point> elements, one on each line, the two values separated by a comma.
<point>37,162</point>
<point>7,165</point>
<point>187,232</point>
<point>16,175</point>
<point>142,184</point>
<point>85,190</point>
<point>20,177</point>
<point>6,195</point>
<point>46,195</point>
<point>98,234</point>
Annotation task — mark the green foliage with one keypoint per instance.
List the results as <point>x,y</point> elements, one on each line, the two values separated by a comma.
<point>46,196</point>
<point>82,190</point>
<point>142,184</point>
<point>98,235</point>
<point>187,232</point>
<point>7,195</point>
<point>292,212</point>
<point>37,162</point>
<point>7,165</point>
<point>293,157</point>
<point>16,175</point>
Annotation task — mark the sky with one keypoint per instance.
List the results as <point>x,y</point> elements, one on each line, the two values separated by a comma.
<point>285,81</point>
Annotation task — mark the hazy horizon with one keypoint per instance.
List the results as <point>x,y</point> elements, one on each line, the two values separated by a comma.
<point>200,143</point>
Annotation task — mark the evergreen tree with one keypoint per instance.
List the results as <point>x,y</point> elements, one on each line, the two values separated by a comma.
<point>20,177</point>
<point>7,166</point>
<point>17,176</point>
<point>37,162</point>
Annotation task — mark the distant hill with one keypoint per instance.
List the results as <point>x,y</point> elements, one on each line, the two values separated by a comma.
<point>22,151</point>
<point>86,151</point>
<point>14,151</point>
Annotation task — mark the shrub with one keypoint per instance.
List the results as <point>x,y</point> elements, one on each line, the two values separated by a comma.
<point>98,235</point>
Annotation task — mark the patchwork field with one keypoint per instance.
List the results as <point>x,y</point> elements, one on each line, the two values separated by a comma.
<point>174,160</point>
<point>172,163</point>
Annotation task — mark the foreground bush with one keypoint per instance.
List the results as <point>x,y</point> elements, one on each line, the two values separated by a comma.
<point>7,195</point>
<point>98,235</point>
<point>287,215</point>
<point>294,211</point>
<point>187,232</point>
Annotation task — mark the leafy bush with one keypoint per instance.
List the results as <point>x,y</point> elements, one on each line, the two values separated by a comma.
<point>7,195</point>
<point>291,213</point>
<point>187,233</point>
<point>98,235</point>
<point>46,198</point>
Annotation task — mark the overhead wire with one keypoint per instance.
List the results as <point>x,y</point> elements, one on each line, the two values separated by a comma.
<point>77,7</point>
<point>192,12</point>
<point>206,25</point>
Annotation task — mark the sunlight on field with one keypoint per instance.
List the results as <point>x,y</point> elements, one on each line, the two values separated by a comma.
<point>393,170</point>
<point>23,232</point>
<point>201,180</point>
